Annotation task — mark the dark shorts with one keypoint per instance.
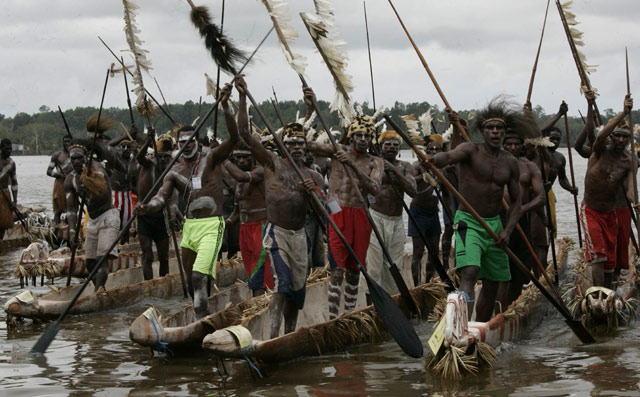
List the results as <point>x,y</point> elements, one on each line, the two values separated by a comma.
<point>428,221</point>
<point>153,226</point>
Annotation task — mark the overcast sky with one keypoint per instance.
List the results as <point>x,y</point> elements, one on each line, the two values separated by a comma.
<point>476,49</point>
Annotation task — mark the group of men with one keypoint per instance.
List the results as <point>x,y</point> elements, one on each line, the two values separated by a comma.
<point>506,178</point>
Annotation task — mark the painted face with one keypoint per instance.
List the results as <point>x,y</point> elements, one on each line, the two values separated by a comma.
<point>164,159</point>
<point>513,145</point>
<point>125,149</point>
<point>308,158</point>
<point>390,148</point>
<point>78,159</point>
<point>620,140</point>
<point>493,132</point>
<point>192,146</point>
<point>296,147</point>
<point>433,148</point>
<point>555,138</point>
<point>243,161</point>
<point>360,142</point>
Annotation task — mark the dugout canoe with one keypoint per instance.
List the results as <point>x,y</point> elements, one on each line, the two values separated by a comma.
<point>603,310</point>
<point>181,331</point>
<point>465,341</point>
<point>123,288</point>
<point>39,226</point>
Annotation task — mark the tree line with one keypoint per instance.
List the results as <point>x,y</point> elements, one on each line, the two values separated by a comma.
<point>42,132</point>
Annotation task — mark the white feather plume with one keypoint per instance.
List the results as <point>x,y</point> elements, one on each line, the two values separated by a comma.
<point>576,36</point>
<point>139,54</point>
<point>211,86</point>
<point>446,137</point>
<point>331,46</point>
<point>425,120</point>
<point>279,13</point>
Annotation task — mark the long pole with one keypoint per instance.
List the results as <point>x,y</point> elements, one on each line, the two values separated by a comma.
<point>176,248</point>
<point>535,63</point>
<point>126,88</point>
<point>52,330</point>
<point>215,115</point>
<point>549,217</point>
<point>366,25</point>
<point>576,326</point>
<point>573,179</point>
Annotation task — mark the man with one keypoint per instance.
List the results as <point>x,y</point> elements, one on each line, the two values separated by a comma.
<point>250,208</point>
<point>424,208</point>
<point>230,243</point>
<point>386,211</point>
<point>153,227</point>
<point>198,180</point>
<point>104,220</point>
<point>532,198</point>
<point>484,170</point>
<point>121,188</point>
<point>609,167</point>
<point>286,203</point>
<point>347,209</point>
<point>7,177</point>
<point>59,168</point>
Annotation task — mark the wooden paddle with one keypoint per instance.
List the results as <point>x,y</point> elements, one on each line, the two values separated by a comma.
<point>176,248</point>
<point>576,326</point>
<point>52,330</point>
<point>573,179</point>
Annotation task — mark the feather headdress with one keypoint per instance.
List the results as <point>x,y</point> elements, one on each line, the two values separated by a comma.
<point>279,13</point>
<point>425,122</point>
<point>510,115</point>
<point>575,35</point>
<point>139,56</point>
<point>330,45</point>
<point>224,53</point>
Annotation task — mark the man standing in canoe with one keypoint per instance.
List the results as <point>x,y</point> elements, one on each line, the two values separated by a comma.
<point>7,177</point>
<point>153,227</point>
<point>59,168</point>
<point>250,208</point>
<point>347,209</point>
<point>609,167</point>
<point>286,202</point>
<point>104,220</point>
<point>198,180</point>
<point>386,212</point>
<point>484,170</point>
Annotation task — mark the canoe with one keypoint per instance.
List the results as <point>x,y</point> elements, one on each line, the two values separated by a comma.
<point>38,223</point>
<point>465,342</point>
<point>123,288</point>
<point>35,261</point>
<point>603,310</point>
<point>181,331</point>
<point>314,335</point>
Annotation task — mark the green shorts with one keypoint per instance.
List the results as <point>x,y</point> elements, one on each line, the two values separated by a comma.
<point>204,237</point>
<point>474,247</point>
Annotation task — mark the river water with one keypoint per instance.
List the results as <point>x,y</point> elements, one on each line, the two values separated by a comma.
<point>92,354</point>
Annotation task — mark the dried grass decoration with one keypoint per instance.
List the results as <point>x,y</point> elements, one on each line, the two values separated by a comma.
<point>95,184</point>
<point>454,363</point>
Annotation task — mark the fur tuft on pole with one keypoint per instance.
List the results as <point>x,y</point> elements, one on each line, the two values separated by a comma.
<point>330,45</point>
<point>139,54</point>
<point>279,13</point>
<point>224,53</point>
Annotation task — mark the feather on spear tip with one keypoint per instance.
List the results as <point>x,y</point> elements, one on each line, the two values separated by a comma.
<point>223,51</point>
<point>279,13</point>
<point>139,54</point>
<point>425,122</point>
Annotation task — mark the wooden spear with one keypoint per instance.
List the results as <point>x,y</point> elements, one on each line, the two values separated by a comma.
<point>573,179</point>
<point>535,63</point>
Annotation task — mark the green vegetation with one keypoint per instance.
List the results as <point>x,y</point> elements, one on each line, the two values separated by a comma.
<point>42,132</point>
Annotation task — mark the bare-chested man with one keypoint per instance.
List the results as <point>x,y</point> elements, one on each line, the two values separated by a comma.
<point>250,208</point>
<point>104,221</point>
<point>198,180</point>
<point>347,209</point>
<point>532,198</point>
<point>609,167</point>
<point>424,208</point>
<point>314,225</point>
<point>286,202</point>
<point>484,169</point>
<point>386,212</point>
<point>7,177</point>
<point>153,227</point>
<point>121,188</point>
<point>59,168</point>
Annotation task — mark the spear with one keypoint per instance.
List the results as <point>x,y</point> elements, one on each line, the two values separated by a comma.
<point>215,115</point>
<point>457,124</point>
<point>573,179</point>
<point>164,101</point>
<point>535,63</point>
<point>64,120</point>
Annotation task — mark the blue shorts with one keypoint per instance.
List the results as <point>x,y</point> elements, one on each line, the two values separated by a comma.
<point>428,221</point>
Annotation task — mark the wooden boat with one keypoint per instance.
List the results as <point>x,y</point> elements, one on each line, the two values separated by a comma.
<point>603,310</point>
<point>464,343</point>
<point>124,287</point>
<point>38,224</point>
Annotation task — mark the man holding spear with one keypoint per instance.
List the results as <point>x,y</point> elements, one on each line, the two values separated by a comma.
<point>59,168</point>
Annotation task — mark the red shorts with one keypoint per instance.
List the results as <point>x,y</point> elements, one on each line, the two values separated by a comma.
<point>624,232</point>
<point>600,235</point>
<point>356,229</point>
<point>254,256</point>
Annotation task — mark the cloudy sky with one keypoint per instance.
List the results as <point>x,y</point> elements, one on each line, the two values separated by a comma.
<point>476,49</point>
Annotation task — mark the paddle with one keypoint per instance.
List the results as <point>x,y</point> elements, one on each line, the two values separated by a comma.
<point>393,318</point>
<point>176,248</point>
<point>52,330</point>
<point>576,326</point>
<point>573,179</point>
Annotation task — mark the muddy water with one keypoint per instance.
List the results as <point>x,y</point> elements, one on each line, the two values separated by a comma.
<point>92,354</point>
